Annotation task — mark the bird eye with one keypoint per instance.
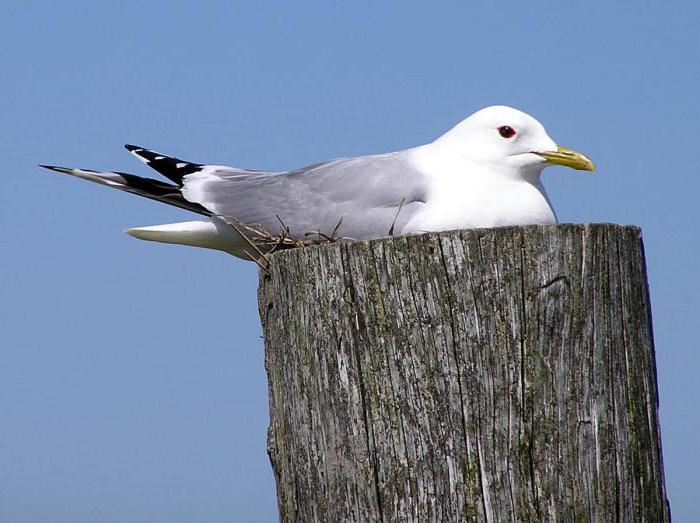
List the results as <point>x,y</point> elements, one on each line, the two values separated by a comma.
<point>506,131</point>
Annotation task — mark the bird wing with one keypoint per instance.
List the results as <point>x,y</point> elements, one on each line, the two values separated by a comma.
<point>146,187</point>
<point>367,196</point>
<point>363,197</point>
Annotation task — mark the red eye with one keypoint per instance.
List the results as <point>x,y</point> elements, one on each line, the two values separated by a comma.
<point>506,131</point>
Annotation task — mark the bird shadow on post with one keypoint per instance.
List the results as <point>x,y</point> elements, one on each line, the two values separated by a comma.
<point>474,375</point>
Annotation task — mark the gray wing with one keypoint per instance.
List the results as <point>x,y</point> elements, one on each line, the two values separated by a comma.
<point>368,193</point>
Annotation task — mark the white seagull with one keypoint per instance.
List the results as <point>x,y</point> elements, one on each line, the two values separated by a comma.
<point>484,172</point>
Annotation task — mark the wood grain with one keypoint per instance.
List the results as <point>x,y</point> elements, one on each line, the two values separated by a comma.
<point>479,375</point>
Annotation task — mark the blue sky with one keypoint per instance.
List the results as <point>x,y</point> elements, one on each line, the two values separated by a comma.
<point>132,385</point>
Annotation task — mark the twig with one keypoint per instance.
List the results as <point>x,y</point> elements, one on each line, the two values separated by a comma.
<point>391,229</point>
<point>337,226</point>
<point>264,266</point>
<point>248,240</point>
<point>285,227</point>
<point>320,235</point>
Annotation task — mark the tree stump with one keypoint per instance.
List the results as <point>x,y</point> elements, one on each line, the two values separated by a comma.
<point>500,374</point>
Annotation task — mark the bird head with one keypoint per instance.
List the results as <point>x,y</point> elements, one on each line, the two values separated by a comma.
<point>510,141</point>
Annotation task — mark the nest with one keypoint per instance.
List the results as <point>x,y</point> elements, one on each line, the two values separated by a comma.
<point>263,243</point>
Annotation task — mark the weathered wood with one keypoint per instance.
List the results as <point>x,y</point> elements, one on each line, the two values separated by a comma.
<point>494,375</point>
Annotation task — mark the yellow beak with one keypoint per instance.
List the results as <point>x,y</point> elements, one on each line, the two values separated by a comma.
<point>568,158</point>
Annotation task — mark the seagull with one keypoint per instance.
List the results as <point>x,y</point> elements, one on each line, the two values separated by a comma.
<point>484,172</point>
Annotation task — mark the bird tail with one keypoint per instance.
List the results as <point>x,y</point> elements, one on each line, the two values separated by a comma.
<point>212,234</point>
<point>145,187</point>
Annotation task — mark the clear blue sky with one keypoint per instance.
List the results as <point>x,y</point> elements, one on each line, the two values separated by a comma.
<point>132,385</point>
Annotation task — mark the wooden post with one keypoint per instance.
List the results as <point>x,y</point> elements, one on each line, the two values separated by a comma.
<point>479,375</point>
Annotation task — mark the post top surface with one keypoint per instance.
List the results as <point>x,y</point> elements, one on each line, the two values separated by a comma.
<point>560,229</point>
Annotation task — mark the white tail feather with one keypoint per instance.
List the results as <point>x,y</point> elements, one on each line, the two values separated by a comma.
<point>212,234</point>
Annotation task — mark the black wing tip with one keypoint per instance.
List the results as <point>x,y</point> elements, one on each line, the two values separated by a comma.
<point>55,168</point>
<point>132,148</point>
